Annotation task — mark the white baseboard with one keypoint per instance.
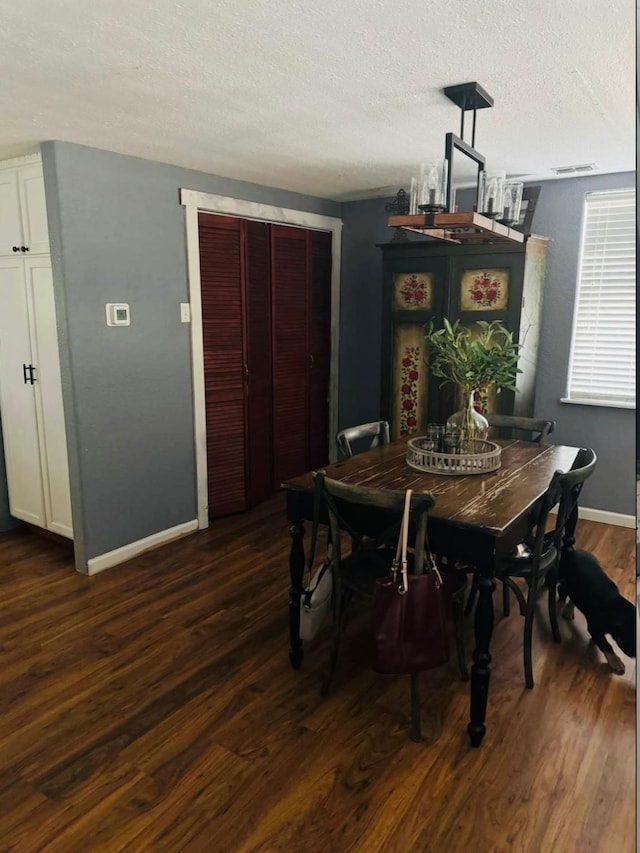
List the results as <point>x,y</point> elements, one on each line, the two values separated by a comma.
<point>605,517</point>
<point>127,552</point>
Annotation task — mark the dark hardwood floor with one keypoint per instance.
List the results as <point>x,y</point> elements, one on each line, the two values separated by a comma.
<point>153,707</point>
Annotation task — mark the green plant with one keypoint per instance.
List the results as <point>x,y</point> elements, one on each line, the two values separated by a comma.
<point>473,360</point>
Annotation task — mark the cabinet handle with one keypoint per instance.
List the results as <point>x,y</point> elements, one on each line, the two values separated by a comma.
<point>311,361</point>
<point>24,248</point>
<point>28,368</point>
<point>16,248</point>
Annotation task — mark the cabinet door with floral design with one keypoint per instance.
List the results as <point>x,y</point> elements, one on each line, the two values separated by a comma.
<point>410,382</point>
<point>415,293</point>
<point>487,286</point>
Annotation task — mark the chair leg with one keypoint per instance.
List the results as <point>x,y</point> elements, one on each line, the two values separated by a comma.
<point>552,584</point>
<point>340,619</point>
<point>458,623</point>
<point>416,729</point>
<point>528,639</point>
<point>506,600</point>
<point>473,593</point>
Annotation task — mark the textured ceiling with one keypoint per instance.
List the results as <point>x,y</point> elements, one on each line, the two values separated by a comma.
<point>337,99</point>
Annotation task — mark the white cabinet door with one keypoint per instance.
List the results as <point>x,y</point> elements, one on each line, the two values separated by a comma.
<point>10,222</point>
<point>17,398</point>
<point>35,230</point>
<point>48,392</point>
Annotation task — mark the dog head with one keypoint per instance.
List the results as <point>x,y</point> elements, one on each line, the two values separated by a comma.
<point>623,627</point>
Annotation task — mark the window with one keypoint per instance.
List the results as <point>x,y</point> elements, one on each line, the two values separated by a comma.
<point>602,368</point>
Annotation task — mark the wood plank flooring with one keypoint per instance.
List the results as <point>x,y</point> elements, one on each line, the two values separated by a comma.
<point>153,707</point>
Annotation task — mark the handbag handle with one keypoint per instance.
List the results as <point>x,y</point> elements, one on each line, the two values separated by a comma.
<point>401,548</point>
<point>400,561</point>
<point>318,477</point>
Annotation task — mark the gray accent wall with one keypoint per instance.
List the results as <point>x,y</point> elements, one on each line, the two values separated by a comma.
<point>611,432</point>
<point>118,235</point>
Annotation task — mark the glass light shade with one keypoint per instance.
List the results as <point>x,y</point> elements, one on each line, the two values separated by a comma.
<point>512,202</point>
<point>491,193</point>
<point>432,186</point>
<point>413,196</point>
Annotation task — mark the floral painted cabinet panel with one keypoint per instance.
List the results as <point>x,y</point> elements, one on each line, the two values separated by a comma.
<point>427,280</point>
<point>409,380</point>
<point>484,290</point>
<point>415,293</point>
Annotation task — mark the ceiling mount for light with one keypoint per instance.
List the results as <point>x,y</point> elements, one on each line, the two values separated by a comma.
<point>468,96</point>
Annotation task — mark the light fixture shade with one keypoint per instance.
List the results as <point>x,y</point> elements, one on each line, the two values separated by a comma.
<point>491,193</point>
<point>432,186</point>
<point>512,202</point>
<point>413,195</point>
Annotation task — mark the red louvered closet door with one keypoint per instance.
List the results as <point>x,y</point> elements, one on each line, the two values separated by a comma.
<point>266,309</point>
<point>258,331</point>
<point>221,277</point>
<point>319,313</point>
<point>289,276</point>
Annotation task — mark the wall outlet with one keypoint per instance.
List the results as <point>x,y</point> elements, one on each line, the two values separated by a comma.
<point>185,312</point>
<point>118,314</point>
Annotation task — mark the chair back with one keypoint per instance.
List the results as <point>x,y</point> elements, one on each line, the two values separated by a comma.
<point>534,429</point>
<point>374,514</point>
<point>374,434</point>
<point>563,492</point>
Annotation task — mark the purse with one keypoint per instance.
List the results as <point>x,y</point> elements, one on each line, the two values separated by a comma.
<point>410,626</point>
<point>315,600</point>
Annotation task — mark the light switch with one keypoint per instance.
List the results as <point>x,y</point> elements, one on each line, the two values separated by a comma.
<point>118,314</point>
<point>185,312</point>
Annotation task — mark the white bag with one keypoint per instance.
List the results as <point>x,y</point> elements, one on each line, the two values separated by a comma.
<point>315,601</point>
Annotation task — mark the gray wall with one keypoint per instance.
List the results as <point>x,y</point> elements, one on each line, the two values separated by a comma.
<point>611,432</point>
<point>118,235</point>
<point>364,227</point>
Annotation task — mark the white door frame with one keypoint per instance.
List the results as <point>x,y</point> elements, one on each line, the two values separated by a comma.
<point>193,202</point>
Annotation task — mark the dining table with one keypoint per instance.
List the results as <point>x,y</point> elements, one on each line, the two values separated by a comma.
<point>477,519</point>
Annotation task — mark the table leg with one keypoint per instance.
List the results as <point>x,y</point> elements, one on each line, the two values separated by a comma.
<point>481,669</point>
<point>296,573</point>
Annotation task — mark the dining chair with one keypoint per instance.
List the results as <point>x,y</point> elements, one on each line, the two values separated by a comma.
<point>376,431</point>
<point>371,517</point>
<point>537,558</point>
<point>529,429</point>
<point>535,429</point>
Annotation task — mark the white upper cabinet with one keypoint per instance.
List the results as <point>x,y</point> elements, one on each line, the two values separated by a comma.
<point>23,211</point>
<point>10,227</point>
<point>33,209</point>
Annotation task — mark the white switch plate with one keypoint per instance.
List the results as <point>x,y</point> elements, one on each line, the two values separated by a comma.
<point>185,312</point>
<point>118,314</point>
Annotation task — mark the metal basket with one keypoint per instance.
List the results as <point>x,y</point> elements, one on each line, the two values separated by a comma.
<point>484,458</point>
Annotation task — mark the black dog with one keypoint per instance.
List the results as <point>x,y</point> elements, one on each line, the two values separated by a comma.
<point>582,580</point>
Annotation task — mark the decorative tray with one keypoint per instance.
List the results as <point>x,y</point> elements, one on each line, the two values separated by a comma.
<point>484,458</point>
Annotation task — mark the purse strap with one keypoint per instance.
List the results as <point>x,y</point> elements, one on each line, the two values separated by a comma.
<point>317,502</point>
<point>400,561</point>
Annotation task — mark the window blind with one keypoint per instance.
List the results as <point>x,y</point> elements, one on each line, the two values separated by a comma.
<point>602,368</point>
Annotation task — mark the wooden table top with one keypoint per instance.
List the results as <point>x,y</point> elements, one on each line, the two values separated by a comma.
<point>489,501</point>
